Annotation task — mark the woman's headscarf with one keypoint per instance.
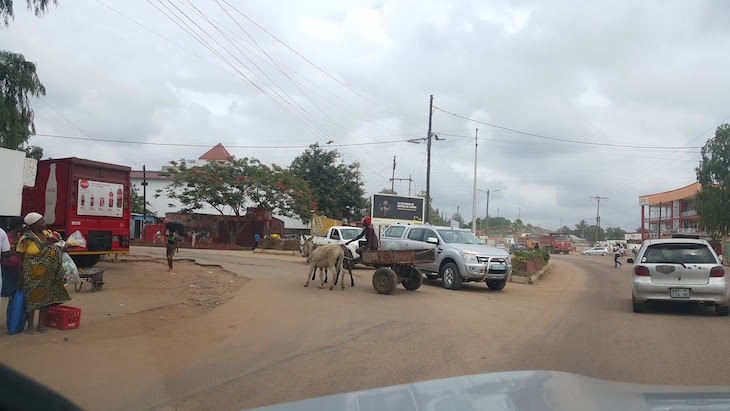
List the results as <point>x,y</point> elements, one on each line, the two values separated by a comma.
<point>32,218</point>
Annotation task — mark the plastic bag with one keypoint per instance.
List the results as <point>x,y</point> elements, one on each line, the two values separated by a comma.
<point>70,271</point>
<point>76,239</point>
<point>16,313</point>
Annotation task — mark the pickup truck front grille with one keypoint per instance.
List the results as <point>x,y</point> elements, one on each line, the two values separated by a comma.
<point>494,261</point>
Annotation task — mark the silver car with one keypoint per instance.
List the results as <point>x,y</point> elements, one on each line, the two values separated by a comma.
<point>679,270</point>
<point>596,251</point>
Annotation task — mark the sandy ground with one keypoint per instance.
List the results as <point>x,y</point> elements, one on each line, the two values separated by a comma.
<point>253,335</point>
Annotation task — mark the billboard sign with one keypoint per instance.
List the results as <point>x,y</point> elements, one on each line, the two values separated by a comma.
<point>389,209</point>
<point>100,199</point>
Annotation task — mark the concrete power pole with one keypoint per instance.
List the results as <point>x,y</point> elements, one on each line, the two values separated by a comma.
<point>598,213</point>
<point>428,161</point>
<point>474,196</point>
<point>392,180</point>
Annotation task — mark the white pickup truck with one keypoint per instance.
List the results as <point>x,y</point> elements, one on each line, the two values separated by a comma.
<point>341,235</point>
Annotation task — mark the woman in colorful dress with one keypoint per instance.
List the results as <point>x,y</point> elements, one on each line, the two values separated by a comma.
<point>42,278</point>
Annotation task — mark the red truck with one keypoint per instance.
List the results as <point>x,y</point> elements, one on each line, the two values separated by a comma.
<point>88,196</point>
<point>556,243</point>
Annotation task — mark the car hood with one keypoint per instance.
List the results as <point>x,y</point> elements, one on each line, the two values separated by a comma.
<point>518,390</point>
<point>480,249</point>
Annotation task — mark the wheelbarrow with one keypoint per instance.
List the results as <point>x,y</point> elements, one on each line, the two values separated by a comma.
<point>93,275</point>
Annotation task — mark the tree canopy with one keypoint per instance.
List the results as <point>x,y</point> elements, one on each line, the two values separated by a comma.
<point>713,172</point>
<point>235,185</point>
<point>39,7</point>
<point>335,186</point>
<point>18,82</point>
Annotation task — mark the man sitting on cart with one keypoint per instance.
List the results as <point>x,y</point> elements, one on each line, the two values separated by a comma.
<point>370,237</point>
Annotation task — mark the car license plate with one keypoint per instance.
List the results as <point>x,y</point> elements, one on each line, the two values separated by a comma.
<point>499,267</point>
<point>679,292</point>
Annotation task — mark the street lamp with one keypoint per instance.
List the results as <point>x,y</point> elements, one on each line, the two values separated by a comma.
<point>486,221</point>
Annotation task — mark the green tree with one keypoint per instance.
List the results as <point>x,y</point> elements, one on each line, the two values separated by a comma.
<point>235,185</point>
<point>580,228</point>
<point>335,186</point>
<point>18,83</point>
<point>137,202</point>
<point>39,7</point>
<point>435,215</point>
<point>615,233</point>
<point>590,233</point>
<point>713,172</point>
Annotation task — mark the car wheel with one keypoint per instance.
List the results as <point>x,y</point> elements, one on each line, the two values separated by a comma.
<point>722,311</point>
<point>604,254</point>
<point>639,307</point>
<point>451,277</point>
<point>496,284</point>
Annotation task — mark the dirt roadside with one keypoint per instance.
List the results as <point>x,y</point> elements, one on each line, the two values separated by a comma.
<point>232,343</point>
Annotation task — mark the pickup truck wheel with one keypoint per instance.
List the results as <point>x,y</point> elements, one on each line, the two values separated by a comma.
<point>451,277</point>
<point>412,279</point>
<point>496,284</point>
<point>384,280</point>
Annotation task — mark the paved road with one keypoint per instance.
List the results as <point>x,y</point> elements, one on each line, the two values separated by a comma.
<point>600,336</point>
<point>282,342</point>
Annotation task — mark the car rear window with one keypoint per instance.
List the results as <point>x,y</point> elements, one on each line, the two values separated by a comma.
<point>678,253</point>
<point>394,231</point>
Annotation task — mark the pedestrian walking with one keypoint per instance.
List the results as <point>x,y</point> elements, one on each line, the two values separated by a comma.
<point>171,249</point>
<point>255,241</point>
<point>616,255</point>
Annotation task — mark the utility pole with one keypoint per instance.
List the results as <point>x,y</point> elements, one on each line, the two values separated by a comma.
<point>474,197</point>
<point>598,211</point>
<point>410,180</point>
<point>392,180</point>
<point>486,221</point>
<point>428,161</point>
<point>144,202</point>
<point>659,230</point>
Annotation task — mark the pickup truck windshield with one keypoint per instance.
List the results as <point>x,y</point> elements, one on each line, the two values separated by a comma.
<point>350,233</point>
<point>459,237</point>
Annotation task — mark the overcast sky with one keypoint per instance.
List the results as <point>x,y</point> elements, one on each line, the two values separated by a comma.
<point>612,74</point>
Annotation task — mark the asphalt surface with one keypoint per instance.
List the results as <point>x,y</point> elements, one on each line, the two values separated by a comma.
<point>282,342</point>
<point>600,336</point>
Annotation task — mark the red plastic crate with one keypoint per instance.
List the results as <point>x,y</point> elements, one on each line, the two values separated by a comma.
<point>63,317</point>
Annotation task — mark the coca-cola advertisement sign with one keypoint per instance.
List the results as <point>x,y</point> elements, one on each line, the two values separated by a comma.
<point>100,199</point>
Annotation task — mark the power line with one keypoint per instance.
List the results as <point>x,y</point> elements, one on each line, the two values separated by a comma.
<point>321,69</point>
<point>592,143</point>
<point>369,143</point>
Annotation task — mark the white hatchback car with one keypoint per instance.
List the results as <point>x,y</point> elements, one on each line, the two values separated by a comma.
<point>679,270</point>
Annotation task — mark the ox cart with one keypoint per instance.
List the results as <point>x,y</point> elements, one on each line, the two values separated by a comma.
<point>395,267</point>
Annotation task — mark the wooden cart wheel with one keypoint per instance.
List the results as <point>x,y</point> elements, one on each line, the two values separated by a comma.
<point>412,279</point>
<point>384,280</point>
<point>78,285</point>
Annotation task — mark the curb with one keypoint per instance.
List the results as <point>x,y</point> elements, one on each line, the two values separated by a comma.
<point>532,278</point>
<point>276,252</point>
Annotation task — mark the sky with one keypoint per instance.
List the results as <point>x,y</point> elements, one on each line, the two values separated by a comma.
<point>597,98</point>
